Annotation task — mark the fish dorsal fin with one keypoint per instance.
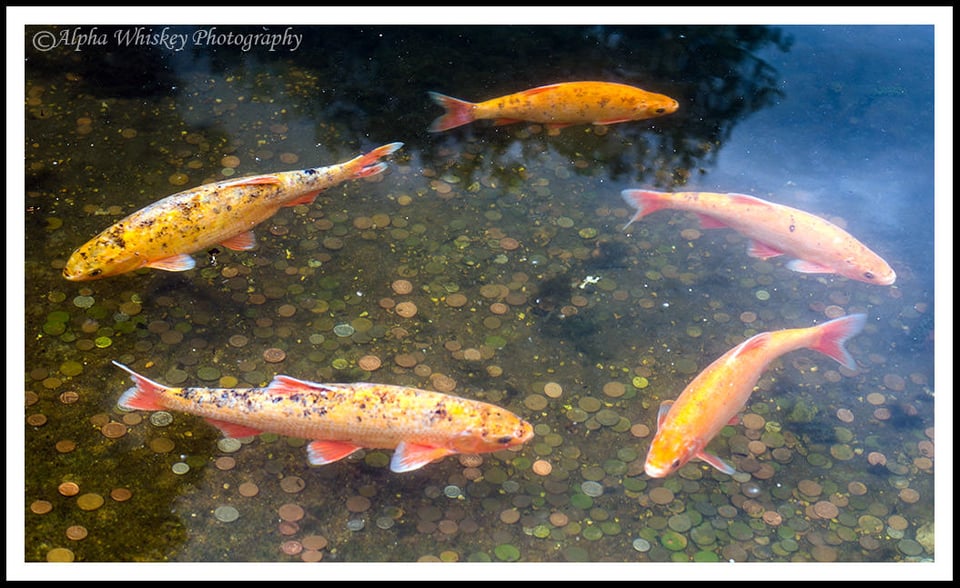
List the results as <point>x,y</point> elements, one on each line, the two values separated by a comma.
<point>174,263</point>
<point>751,345</point>
<point>252,181</point>
<point>662,413</point>
<point>762,250</point>
<point>324,452</point>
<point>747,200</point>
<point>287,385</point>
<point>540,90</point>
<point>233,429</point>
<point>808,267</point>
<point>242,242</point>
<point>413,456</point>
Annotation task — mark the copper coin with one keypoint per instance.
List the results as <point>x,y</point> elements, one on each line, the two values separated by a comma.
<point>121,494</point>
<point>41,507</point>
<point>291,512</point>
<point>113,430</point>
<point>69,489</point>
<point>314,542</point>
<point>76,532</point>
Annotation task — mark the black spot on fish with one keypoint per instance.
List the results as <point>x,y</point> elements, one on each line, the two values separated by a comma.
<point>310,171</point>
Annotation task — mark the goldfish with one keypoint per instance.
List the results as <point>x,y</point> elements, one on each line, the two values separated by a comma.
<point>713,399</point>
<point>558,106</point>
<point>817,245</point>
<point>421,426</point>
<point>163,234</point>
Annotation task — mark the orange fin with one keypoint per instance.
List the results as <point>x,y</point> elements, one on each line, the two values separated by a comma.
<point>506,121</point>
<point>233,429</point>
<point>558,126</point>
<point>253,181</point>
<point>307,198</point>
<point>458,113</point>
<point>286,385</point>
<point>324,452</point>
<point>612,121</point>
<point>644,202</point>
<point>809,267</point>
<point>833,334</point>
<point>747,200</point>
<point>146,395</point>
<point>764,251</point>
<point>242,242</point>
<point>367,164</point>
<point>411,456</point>
<point>717,462</point>
<point>175,263</point>
<point>538,90</point>
<point>709,222</point>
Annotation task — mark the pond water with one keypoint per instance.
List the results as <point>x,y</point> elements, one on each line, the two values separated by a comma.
<point>529,293</point>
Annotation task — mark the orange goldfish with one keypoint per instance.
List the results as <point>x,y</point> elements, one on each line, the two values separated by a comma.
<point>818,246</point>
<point>713,399</point>
<point>421,426</point>
<point>163,234</point>
<point>558,105</point>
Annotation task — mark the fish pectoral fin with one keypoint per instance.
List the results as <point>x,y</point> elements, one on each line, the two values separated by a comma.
<point>324,452</point>
<point>558,126</point>
<point>174,263</point>
<point>612,121</point>
<point>662,413</point>
<point>411,456</point>
<point>716,462</point>
<point>307,198</point>
<point>233,429</point>
<point>709,222</point>
<point>242,242</point>
<point>505,121</point>
<point>762,250</point>
<point>809,267</point>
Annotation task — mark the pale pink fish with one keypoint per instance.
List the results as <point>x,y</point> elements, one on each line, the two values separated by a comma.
<point>817,245</point>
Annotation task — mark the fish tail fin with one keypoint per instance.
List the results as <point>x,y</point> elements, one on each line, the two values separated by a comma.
<point>458,112</point>
<point>644,202</point>
<point>833,334</point>
<point>368,165</point>
<point>145,395</point>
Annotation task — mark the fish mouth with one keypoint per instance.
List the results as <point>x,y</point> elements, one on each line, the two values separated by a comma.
<point>888,279</point>
<point>654,471</point>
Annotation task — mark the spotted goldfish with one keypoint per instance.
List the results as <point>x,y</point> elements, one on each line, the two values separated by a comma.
<point>421,426</point>
<point>818,246</point>
<point>163,234</point>
<point>713,399</point>
<point>557,106</point>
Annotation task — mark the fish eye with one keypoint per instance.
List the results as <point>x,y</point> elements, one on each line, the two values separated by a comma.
<point>661,110</point>
<point>504,440</point>
<point>868,275</point>
<point>675,464</point>
<point>96,272</point>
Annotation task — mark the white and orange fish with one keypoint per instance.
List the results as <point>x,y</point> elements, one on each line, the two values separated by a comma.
<point>419,425</point>
<point>165,233</point>
<point>817,245</point>
<point>557,106</point>
<point>713,399</point>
